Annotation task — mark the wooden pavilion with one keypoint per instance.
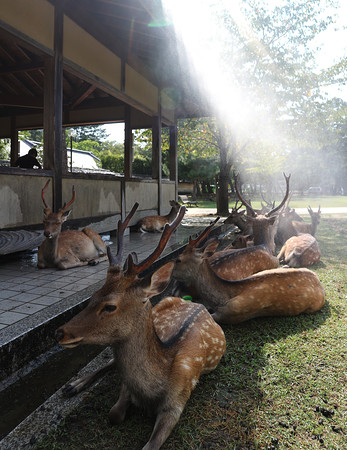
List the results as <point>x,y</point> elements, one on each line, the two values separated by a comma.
<point>81,62</point>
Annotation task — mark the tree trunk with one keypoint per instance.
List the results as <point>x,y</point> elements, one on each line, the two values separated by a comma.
<point>222,183</point>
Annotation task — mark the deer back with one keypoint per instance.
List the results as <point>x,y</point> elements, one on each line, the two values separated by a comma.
<point>300,251</point>
<point>274,292</point>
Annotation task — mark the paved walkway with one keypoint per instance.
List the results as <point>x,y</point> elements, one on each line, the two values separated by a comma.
<point>30,296</point>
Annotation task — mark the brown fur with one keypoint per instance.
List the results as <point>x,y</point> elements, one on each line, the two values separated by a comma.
<point>152,224</point>
<point>300,251</point>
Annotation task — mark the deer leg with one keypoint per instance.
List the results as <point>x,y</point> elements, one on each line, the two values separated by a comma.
<point>81,383</point>
<point>165,422</point>
<point>117,412</point>
<point>99,244</point>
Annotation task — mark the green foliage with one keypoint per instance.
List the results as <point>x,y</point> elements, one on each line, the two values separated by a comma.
<point>89,132</point>
<point>4,148</point>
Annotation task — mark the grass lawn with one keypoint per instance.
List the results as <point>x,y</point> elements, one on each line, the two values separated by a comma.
<point>281,383</point>
<point>333,201</point>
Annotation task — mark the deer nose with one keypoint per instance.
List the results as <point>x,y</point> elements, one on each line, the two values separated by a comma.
<point>47,233</point>
<point>59,334</point>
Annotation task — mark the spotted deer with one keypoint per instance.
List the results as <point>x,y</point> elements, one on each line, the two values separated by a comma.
<point>152,224</point>
<point>300,251</point>
<point>159,352</point>
<point>311,228</point>
<point>69,248</point>
<point>274,292</point>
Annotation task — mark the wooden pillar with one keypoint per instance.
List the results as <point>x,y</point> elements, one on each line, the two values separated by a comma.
<point>48,115</point>
<point>14,142</point>
<point>128,145</point>
<point>173,165</point>
<point>58,103</point>
<point>156,156</point>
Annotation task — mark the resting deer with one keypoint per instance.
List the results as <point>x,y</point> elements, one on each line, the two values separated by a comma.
<point>274,292</point>
<point>236,217</point>
<point>311,228</point>
<point>69,248</point>
<point>285,228</point>
<point>159,352</point>
<point>154,224</point>
<point>300,251</point>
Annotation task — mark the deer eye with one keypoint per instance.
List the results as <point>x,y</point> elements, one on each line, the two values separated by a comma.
<point>109,308</point>
<point>178,260</point>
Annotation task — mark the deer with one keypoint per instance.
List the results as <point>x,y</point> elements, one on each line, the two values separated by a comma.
<point>273,292</point>
<point>300,251</point>
<point>69,248</point>
<point>152,224</point>
<point>311,228</point>
<point>159,352</point>
<point>232,264</point>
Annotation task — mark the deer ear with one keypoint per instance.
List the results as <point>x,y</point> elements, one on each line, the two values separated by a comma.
<point>210,248</point>
<point>159,280</point>
<point>66,215</point>
<point>47,211</point>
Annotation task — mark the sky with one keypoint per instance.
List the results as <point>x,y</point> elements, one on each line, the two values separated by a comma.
<point>333,44</point>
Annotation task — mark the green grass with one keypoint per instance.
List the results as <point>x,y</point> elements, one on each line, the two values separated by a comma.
<point>296,202</point>
<point>277,383</point>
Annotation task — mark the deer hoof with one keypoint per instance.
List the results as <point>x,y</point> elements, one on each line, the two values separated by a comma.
<point>69,390</point>
<point>93,263</point>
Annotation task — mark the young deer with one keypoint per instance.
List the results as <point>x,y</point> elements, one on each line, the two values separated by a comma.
<point>300,251</point>
<point>274,292</point>
<point>153,224</point>
<point>159,352</point>
<point>311,228</point>
<point>69,248</point>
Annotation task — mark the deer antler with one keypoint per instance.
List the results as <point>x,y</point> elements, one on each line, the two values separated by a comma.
<point>116,260</point>
<point>194,242</point>
<point>71,201</point>
<point>43,194</point>
<point>247,205</point>
<point>134,269</point>
<point>270,213</point>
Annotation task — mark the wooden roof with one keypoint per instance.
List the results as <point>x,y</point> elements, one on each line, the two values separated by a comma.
<point>135,30</point>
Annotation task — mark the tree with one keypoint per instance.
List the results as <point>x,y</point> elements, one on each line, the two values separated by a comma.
<point>88,133</point>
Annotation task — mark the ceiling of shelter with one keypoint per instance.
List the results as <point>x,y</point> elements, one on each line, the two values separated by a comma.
<point>133,29</point>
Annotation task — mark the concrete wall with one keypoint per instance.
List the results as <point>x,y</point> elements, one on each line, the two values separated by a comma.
<point>21,204</point>
<point>20,200</point>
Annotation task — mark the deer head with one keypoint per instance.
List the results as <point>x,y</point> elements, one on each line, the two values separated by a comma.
<point>114,310</point>
<point>262,223</point>
<point>53,222</point>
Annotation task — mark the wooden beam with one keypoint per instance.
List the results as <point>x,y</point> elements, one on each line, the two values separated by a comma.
<point>83,95</point>
<point>21,68</point>
<point>156,155</point>
<point>21,101</point>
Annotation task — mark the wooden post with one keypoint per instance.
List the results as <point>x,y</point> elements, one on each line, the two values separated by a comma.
<point>173,165</point>
<point>156,156</point>
<point>48,115</point>
<point>58,104</point>
<point>128,145</point>
<point>14,142</point>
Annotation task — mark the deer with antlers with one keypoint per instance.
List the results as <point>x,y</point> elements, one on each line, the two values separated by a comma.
<point>152,224</point>
<point>274,292</point>
<point>159,352</point>
<point>69,248</point>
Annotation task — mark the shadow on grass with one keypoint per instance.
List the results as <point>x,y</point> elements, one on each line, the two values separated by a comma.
<point>221,412</point>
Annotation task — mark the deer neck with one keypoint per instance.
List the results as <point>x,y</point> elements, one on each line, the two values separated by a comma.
<point>141,353</point>
<point>211,289</point>
<point>171,215</point>
<point>313,226</point>
<point>51,248</point>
